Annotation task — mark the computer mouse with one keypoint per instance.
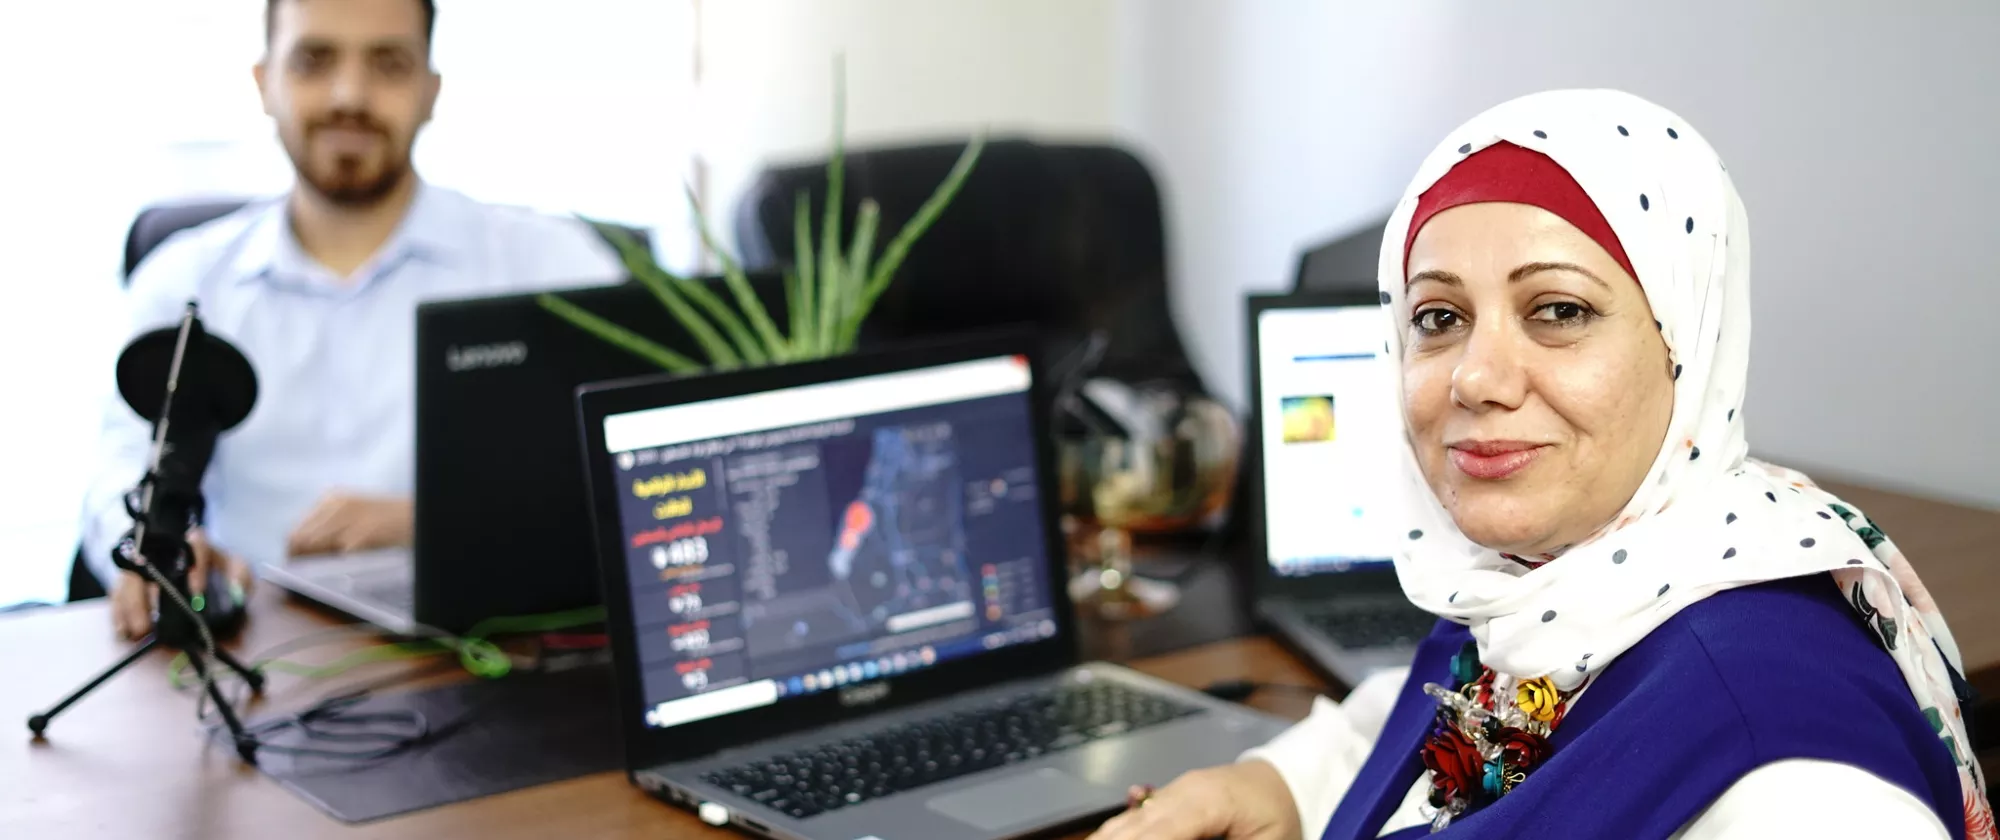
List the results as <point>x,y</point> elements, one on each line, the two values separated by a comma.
<point>220,605</point>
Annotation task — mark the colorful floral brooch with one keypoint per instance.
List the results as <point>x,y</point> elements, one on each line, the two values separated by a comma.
<point>1480,749</point>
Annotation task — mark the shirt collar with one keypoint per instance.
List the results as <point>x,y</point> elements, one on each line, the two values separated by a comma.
<point>434,229</point>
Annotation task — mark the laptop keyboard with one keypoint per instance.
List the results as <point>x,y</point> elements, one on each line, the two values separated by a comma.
<point>1364,627</point>
<point>924,752</point>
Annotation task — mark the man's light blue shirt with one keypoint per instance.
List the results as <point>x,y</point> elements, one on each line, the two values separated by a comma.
<point>335,359</point>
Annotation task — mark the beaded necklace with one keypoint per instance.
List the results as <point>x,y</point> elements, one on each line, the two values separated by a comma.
<point>1478,750</point>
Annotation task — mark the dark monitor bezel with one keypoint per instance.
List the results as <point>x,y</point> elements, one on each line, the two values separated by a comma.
<point>648,747</point>
<point>454,588</point>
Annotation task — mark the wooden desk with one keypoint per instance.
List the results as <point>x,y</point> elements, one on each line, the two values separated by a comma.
<point>1957,552</point>
<point>128,761</point>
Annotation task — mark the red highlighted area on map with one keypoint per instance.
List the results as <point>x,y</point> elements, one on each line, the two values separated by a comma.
<point>855,524</point>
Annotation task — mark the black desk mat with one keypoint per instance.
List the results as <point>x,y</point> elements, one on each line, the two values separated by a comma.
<point>493,736</point>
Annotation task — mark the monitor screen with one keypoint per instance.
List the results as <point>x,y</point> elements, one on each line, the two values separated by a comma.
<point>1329,438</point>
<point>818,537</point>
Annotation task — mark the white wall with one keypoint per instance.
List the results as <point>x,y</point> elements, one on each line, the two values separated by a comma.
<point>916,70</point>
<point>1861,135</point>
<point>590,109</point>
<point>129,102</point>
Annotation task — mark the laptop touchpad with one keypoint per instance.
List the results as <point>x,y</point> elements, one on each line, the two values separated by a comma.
<point>1023,798</point>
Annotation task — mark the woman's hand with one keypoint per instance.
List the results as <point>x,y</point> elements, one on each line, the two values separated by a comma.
<point>1247,800</point>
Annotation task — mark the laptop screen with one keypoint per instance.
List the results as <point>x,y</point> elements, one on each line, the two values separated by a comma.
<point>1328,437</point>
<point>817,537</point>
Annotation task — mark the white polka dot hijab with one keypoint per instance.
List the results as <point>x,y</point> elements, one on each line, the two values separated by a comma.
<point>1707,518</point>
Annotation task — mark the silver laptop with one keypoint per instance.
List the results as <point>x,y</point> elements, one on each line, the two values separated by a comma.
<point>374,586</point>
<point>835,611</point>
<point>1326,429</point>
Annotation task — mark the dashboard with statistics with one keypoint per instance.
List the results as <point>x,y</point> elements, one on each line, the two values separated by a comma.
<point>788,561</point>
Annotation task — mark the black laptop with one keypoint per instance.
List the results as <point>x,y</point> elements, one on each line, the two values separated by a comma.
<point>836,611</point>
<point>502,525</point>
<point>1324,433</point>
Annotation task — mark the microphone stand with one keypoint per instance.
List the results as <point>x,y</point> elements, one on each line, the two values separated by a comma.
<point>162,554</point>
<point>177,628</point>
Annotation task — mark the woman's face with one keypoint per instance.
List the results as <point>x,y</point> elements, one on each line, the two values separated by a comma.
<point>1535,383</point>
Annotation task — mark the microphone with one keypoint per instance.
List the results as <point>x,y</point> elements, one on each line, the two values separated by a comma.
<point>191,385</point>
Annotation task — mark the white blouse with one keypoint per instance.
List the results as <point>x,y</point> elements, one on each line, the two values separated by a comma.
<point>1320,756</point>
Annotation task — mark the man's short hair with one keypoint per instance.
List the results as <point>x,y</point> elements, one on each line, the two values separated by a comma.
<point>429,7</point>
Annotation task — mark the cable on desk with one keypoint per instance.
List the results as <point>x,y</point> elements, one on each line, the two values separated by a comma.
<point>333,720</point>
<point>479,656</point>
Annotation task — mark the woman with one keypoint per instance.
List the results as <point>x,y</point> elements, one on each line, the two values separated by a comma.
<point>1646,634</point>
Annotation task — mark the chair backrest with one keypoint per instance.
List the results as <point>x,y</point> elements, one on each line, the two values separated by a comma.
<point>1068,237</point>
<point>154,224</point>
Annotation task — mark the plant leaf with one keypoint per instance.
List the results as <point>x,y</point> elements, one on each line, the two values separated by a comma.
<point>649,273</point>
<point>739,286</point>
<point>793,289</point>
<point>618,336</point>
<point>858,261</point>
<point>829,228</point>
<point>831,271</point>
<point>899,247</point>
<point>753,352</point>
<point>803,322</point>
<point>746,345</point>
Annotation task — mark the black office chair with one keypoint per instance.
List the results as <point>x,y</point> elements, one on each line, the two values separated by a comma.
<point>154,224</point>
<point>150,228</point>
<point>1068,237</point>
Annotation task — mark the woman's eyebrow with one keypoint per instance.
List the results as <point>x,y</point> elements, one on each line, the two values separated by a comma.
<point>1521,272</point>
<point>1436,276</point>
<point>1526,270</point>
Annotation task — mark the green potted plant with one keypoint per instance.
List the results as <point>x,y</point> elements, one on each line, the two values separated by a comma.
<point>828,291</point>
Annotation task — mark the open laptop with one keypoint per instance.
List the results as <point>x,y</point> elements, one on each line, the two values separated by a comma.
<point>836,612</point>
<point>502,524</point>
<point>1324,443</point>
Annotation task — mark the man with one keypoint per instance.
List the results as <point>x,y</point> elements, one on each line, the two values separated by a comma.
<point>319,289</point>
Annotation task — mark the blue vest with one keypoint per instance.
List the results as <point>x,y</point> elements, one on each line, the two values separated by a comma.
<point>1750,676</point>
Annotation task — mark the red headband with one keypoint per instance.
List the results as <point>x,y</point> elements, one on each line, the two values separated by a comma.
<point>1510,173</point>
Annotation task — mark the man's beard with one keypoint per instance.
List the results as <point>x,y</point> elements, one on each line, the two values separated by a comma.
<point>345,183</point>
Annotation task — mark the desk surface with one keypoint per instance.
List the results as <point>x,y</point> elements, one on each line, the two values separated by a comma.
<point>1956,550</point>
<point>128,761</point>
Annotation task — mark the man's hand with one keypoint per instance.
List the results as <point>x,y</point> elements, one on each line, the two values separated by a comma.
<point>133,596</point>
<point>1243,801</point>
<point>132,604</point>
<point>341,523</point>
